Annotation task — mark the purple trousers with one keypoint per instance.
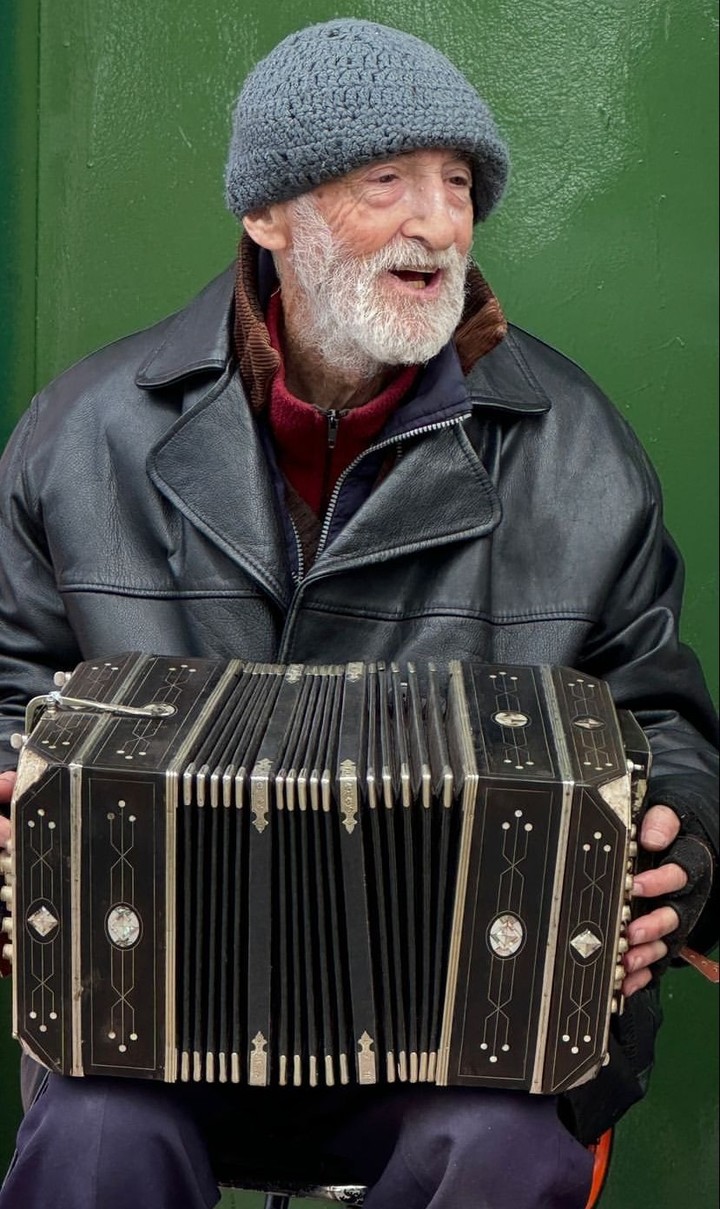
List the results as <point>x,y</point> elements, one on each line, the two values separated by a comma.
<point>124,1144</point>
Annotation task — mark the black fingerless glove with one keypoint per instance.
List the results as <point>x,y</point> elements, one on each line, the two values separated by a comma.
<point>692,853</point>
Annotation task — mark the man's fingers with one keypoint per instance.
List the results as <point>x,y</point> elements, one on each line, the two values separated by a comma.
<point>659,828</point>
<point>654,883</point>
<point>658,923</point>
<point>7,781</point>
<point>635,981</point>
<point>642,956</point>
<point>637,962</point>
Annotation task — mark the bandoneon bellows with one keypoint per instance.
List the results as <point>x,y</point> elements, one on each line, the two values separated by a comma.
<point>295,875</point>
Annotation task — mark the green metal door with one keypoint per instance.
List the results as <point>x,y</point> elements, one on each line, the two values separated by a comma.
<point>113,135</point>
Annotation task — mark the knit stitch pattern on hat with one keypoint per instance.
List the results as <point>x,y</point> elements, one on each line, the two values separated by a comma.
<point>335,96</point>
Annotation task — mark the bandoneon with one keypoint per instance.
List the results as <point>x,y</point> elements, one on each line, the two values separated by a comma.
<point>295,875</point>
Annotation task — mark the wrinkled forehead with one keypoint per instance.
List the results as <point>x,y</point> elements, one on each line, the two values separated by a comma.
<point>412,166</point>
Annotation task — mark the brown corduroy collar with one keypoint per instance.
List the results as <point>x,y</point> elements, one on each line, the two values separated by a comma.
<point>482,327</point>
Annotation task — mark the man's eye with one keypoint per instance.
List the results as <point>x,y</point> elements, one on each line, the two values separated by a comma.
<point>461,181</point>
<point>387,178</point>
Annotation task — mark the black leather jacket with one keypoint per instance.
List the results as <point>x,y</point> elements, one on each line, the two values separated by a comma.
<point>521,522</point>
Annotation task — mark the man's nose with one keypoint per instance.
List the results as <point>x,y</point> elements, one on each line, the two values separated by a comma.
<point>432,219</point>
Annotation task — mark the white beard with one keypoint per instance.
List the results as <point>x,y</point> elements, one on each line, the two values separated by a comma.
<point>356,324</point>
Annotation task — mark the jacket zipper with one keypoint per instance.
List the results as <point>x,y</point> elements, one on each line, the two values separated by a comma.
<point>294,603</point>
<point>298,575</point>
<point>333,423</point>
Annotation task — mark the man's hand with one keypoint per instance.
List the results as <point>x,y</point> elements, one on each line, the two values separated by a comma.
<point>7,781</point>
<point>645,934</point>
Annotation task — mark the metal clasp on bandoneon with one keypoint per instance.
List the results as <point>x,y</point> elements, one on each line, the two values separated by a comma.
<point>55,700</point>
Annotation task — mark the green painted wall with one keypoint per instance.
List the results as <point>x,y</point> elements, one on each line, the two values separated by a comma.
<point>18,223</point>
<point>112,144</point>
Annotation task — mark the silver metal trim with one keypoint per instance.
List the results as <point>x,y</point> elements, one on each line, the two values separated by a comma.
<point>76,986</point>
<point>348,795</point>
<point>617,794</point>
<point>257,1074</point>
<point>457,701</point>
<point>172,802</point>
<point>13,883</point>
<point>390,1066</point>
<point>260,794</point>
<point>568,785</point>
<point>172,789</point>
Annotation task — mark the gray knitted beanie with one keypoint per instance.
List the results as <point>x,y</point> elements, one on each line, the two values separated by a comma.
<point>334,96</point>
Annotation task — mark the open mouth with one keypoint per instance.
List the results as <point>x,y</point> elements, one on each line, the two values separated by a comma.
<point>417,279</point>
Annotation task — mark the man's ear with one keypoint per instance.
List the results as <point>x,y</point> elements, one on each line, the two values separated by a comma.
<point>268,227</point>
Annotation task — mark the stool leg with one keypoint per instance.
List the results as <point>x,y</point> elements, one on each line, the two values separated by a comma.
<point>277,1200</point>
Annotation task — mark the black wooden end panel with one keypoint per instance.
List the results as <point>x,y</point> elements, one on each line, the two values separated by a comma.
<point>123,905</point>
<point>587,948</point>
<point>42,920</point>
<point>507,912</point>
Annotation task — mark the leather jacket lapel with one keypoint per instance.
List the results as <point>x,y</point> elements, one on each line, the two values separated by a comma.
<point>234,505</point>
<point>407,512</point>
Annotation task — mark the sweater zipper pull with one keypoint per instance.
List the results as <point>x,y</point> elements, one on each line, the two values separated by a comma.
<point>333,423</point>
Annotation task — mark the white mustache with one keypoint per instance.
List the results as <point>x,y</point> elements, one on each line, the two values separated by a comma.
<point>404,254</point>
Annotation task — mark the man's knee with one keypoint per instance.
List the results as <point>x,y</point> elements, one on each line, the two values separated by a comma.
<point>110,1142</point>
<point>76,1112</point>
<point>494,1137</point>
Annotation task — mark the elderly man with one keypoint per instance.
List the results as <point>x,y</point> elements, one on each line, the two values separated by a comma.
<point>347,453</point>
